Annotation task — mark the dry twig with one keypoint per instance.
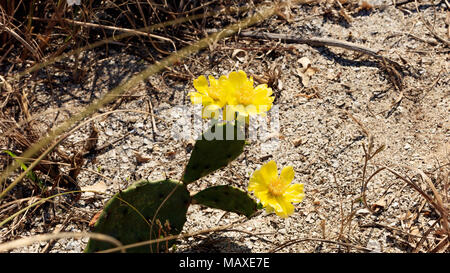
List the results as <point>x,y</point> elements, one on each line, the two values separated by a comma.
<point>429,27</point>
<point>296,241</point>
<point>315,41</point>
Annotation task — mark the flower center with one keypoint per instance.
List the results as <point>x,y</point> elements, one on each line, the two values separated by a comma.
<point>276,187</point>
<point>214,93</point>
<point>246,96</point>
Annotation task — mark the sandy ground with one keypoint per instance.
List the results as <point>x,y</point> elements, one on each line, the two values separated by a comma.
<point>318,134</point>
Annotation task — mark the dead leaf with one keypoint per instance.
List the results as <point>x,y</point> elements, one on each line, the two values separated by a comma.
<point>415,232</point>
<point>273,76</point>
<point>239,54</point>
<point>77,161</point>
<point>95,218</point>
<point>297,142</point>
<point>310,93</point>
<point>306,71</point>
<point>260,79</point>
<point>91,142</point>
<point>284,11</point>
<point>171,154</point>
<point>311,71</point>
<point>140,158</point>
<point>273,136</point>
<point>344,15</point>
<point>366,6</point>
<point>305,62</point>
<point>379,205</point>
<point>97,187</point>
<point>303,77</point>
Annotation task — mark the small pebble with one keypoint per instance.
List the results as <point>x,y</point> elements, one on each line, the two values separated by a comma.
<point>362,212</point>
<point>374,245</point>
<point>109,132</point>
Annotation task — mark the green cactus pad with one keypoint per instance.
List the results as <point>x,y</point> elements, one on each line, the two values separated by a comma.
<point>123,215</point>
<point>215,149</point>
<point>227,198</point>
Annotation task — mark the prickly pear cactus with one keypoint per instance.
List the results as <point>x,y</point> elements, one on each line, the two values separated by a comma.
<point>128,215</point>
<point>215,149</point>
<point>227,198</point>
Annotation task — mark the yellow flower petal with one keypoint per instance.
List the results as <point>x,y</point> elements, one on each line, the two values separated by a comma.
<point>251,109</point>
<point>201,84</point>
<point>198,98</point>
<point>264,89</point>
<point>236,90</point>
<point>240,109</point>
<point>272,201</point>
<point>269,209</point>
<point>269,171</point>
<point>295,193</point>
<point>257,182</point>
<point>287,175</point>
<point>286,207</point>
<point>237,79</point>
<point>211,111</point>
<point>214,90</point>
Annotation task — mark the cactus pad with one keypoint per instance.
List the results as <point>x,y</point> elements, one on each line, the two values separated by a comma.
<point>123,215</point>
<point>227,198</point>
<point>215,149</point>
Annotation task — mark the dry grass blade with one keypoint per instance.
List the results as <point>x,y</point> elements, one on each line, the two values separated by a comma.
<point>39,202</point>
<point>50,149</point>
<point>439,205</point>
<point>415,187</point>
<point>33,50</point>
<point>296,241</point>
<point>424,237</point>
<point>429,27</point>
<point>172,237</point>
<point>159,208</point>
<point>47,237</point>
<point>442,245</point>
<point>364,187</point>
<point>125,30</point>
<point>118,37</point>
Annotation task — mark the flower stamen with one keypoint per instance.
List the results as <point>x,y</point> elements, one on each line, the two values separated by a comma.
<point>276,187</point>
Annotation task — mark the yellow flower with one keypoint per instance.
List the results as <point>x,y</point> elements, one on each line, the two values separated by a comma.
<point>246,99</point>
<point>235,92</point>
<point>213,97</point>
<point>275,192</point>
